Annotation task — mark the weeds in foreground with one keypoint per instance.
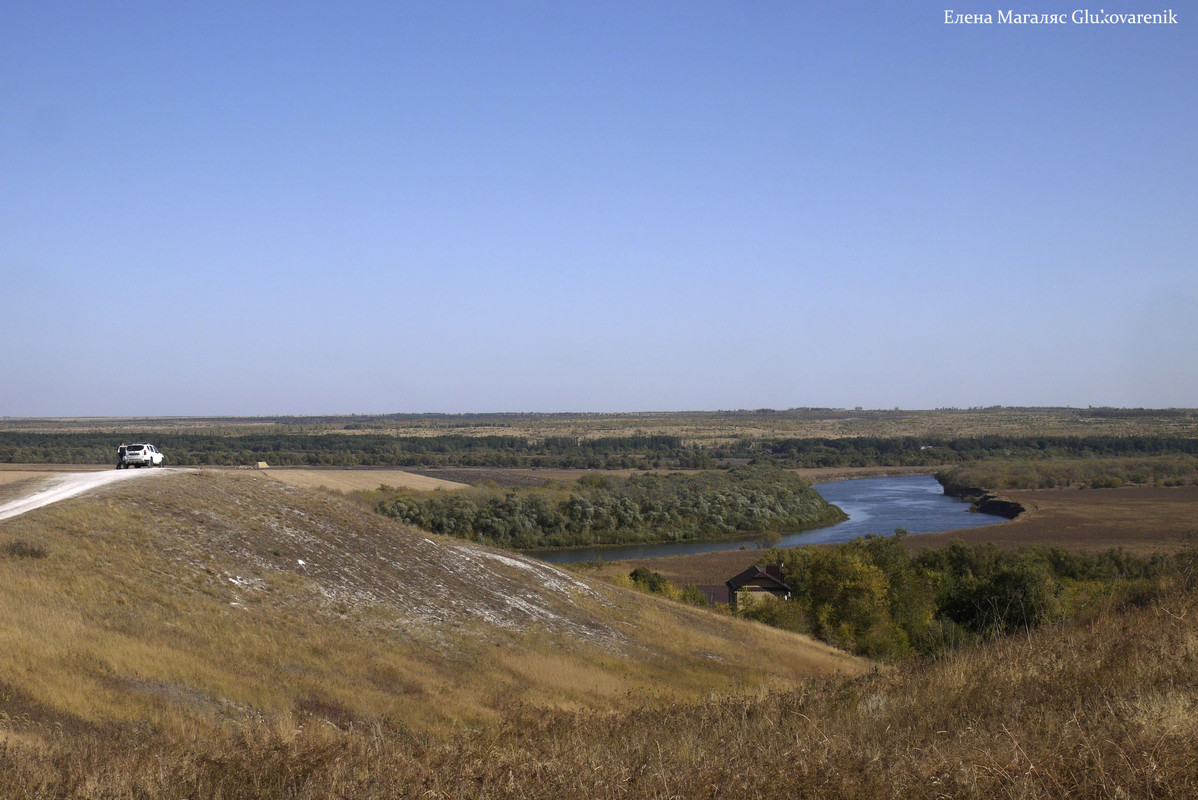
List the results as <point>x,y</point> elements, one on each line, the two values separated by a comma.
<point>23,549</point>
<point>1101,708</point>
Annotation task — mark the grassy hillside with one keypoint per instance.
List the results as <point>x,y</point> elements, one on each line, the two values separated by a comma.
<point>1103,707</point>
<point>207,597</point>
<point>162,639</point>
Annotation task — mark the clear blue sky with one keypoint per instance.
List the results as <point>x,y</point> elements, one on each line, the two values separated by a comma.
<point>260,208</point>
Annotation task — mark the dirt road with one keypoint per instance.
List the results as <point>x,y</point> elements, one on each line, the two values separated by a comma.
<point>69,484</point>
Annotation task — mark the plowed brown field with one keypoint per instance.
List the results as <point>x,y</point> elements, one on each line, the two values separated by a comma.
<point>1140,520</point>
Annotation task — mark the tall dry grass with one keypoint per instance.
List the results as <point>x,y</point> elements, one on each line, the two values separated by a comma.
<point>1102,708</point>
<point>150,632</point>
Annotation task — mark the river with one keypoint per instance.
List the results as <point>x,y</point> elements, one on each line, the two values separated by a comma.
<point>874,505</point>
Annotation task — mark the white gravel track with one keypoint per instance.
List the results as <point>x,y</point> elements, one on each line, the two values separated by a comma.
<point>70,484</point>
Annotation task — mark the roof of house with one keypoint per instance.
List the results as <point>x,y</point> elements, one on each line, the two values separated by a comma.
<point>714,594</point>
<point>756,575</point>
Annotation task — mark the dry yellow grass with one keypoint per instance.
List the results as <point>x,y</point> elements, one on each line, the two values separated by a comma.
<point>16,476</point>
<point>20,486</point>
<point>42,469</point>
<point>20,480</point>
<point>215,595</point>
<point>359,480</point>
<point>169,644</point>
<point>1100,708</point>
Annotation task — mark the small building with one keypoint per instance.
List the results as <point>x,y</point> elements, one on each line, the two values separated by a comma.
<point>767,579</point>
<point>714,594</point>
<point>758,580</point>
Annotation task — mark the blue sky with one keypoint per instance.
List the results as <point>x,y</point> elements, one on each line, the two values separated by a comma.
<point>261,208</point>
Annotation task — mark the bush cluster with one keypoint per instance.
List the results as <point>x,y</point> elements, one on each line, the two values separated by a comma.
<point>612,510</point>
<point>871,596</point>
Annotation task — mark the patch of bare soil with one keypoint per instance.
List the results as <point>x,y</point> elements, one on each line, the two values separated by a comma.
<point>570,475</point>
<point>699,569</point>
<point>826,474</point>
<point>504,478</point>
<point>360,480</point>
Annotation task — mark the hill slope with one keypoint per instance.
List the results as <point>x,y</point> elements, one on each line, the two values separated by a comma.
<point>216,595</point>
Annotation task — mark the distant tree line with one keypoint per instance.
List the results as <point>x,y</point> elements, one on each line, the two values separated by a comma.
<point>642,451</point>
<point>648,507</point>
<point>348,450</point>
<point>1085,473</point>
<point>864,451</point>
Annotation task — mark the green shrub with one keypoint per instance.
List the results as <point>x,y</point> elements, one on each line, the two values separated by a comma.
<point>643,578</point>
<point>872,597</point>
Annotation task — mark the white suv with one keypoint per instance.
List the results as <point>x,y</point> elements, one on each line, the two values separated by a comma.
<point>140,455</point>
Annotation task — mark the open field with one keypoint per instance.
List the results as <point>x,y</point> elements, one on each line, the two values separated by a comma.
<point>811,474</point>
<point>692,426</point>
<point>799,438</point>
<point>1140,520</point>
<point>359,480</point>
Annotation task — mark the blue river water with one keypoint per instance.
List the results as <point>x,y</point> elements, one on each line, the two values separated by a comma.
<point>874,505</point>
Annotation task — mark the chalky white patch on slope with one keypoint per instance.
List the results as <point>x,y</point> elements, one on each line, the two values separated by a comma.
<point>398,580</point>
<point>550,577</point>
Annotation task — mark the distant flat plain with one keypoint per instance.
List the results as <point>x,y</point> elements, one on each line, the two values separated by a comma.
<point>692,426</point>
<point>1141,520</point>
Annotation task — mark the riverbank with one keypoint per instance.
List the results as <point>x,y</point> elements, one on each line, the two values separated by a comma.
<point>1141,521</point>
<point>831,474</point>
<point>982,500</point>
<point>879,505</point>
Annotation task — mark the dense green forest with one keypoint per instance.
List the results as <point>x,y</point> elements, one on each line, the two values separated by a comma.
<point>648,507</point>
<point>643,451</point>
<point>873,597</point>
